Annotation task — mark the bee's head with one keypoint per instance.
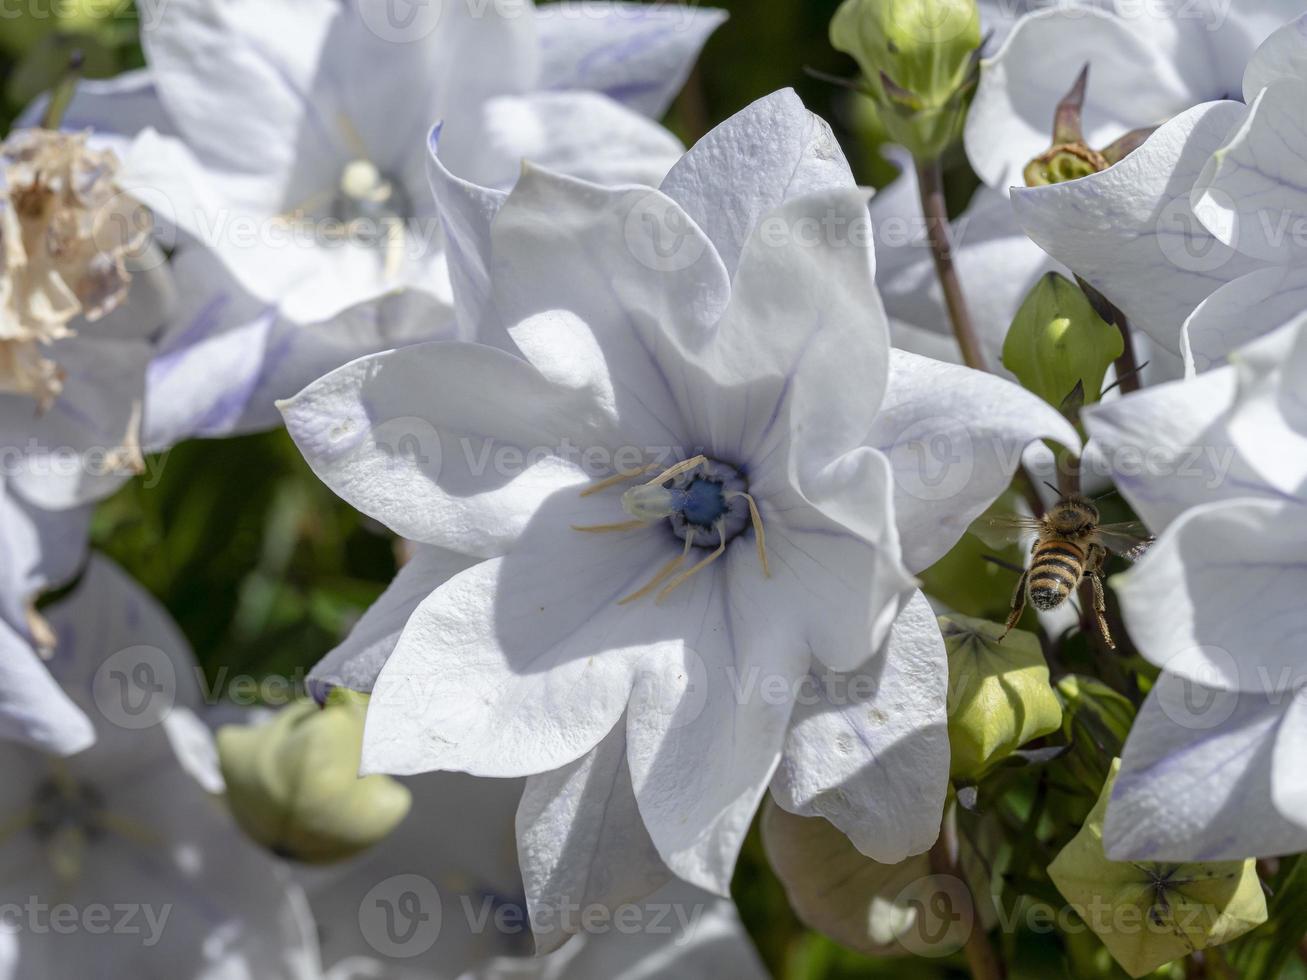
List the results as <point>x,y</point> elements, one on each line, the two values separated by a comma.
<point>1073,515</point>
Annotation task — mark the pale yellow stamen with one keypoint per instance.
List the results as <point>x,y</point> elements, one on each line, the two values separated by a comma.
<point>612,481</point>
<point>689,573</point>
<point>663,573</point>
<point>684,466</point>
<point>608,528</point>
<point>756,518</point>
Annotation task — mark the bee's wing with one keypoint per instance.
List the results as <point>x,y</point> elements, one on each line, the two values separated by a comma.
<point>999,532</point>
<point>1129,540</point>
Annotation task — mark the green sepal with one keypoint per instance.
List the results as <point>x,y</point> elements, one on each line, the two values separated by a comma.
<point>999,694</point>
<point>1058,341</point>
<point>1148,914</point>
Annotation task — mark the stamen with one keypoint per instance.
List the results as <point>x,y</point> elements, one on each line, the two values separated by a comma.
<point>688,574</point>
<point>663,573</point>
<point>684,466</point>
<point>756,519</point>
<point>606,528</point>
<point>620,477</point>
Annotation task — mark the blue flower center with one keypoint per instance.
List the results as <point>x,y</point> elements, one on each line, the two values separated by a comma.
<point>706,497</point>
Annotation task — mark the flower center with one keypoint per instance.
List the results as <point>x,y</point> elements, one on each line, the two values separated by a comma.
<point>707,504</point>
<point>59,807</point>
<point>372,205</point>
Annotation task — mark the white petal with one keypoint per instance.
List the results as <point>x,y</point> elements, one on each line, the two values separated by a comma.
<point>1241,311</point>
<point>443,61</point>
<point>455,853</point>
<point>1288,785</point>
<point>954,438</point>
<point>119,654</point>
<point>761,157</point>
<point>581,134</point>
<point>834,551</point>
<point>707,723</point>
<point>358,660</point>
<point>808,392</point>
<point>229,357</point>
<point>443,443</point>
<point>1248,194</point>
<point>595,254</point>
<point>1168,450</point>
<point>522,664</point>
<point>39,549</point>
<point>466,212</point>
<point>1269,422</point>
<point>868,750</point>
<point>1282,55</point>
<point>1130,231</point>
<point>238,80</point>
<point>1196,779</point>
<point>699,938</point>
<point>1133,83</point>
<point>582,842</point>
<point>67,456</point>
<point>1218,598</point>
<point>33,708</point>
<point>639,55</point>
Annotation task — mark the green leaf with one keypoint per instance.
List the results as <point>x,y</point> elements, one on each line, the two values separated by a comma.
<point>1058,341</point>
<point>999,694</point>
<point>1149,914</point>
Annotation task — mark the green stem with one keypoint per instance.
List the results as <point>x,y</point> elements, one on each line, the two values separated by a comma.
<point>930,182</point>
<point>982,959</point>
<point>62,96</point>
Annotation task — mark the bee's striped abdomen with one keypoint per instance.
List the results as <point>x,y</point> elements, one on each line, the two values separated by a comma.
<point>1055,571</point>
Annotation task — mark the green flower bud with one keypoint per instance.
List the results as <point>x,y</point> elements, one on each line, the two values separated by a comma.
<point>919,59</point>
<point>1096,720</point>
<point>1070,157</point>
<point>1067,161</point>
<point>999,694</point>
<point>1149,914</point>
<point>1058,341</point>
<point>293,783</point>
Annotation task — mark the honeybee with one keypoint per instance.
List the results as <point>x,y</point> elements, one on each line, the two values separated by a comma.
<point>1070,545</point>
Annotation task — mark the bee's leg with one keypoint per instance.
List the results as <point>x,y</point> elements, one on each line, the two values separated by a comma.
<point>1098,558</point>
<point>1018,605</point>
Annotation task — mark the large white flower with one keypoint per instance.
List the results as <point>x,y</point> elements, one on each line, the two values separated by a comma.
<point>115,861</point>
<point>1148,62</point>
<point>563,85</point>
<point>1213,766</point>
<point>301,156</point>
<point>1198,236</point>
<point>442,897</point>
<point>82,294</point>
<point>718,348</point>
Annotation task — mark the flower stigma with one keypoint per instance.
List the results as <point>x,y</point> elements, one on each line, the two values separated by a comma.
<point>707,504</point>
